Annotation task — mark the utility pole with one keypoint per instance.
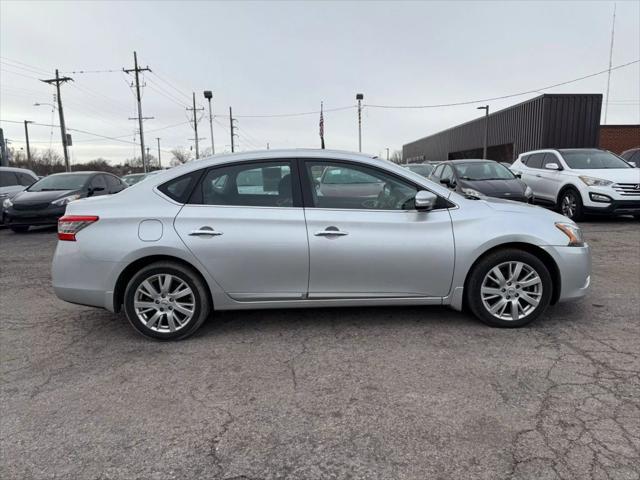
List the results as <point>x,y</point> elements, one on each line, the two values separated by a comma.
<point>63,129</point>
<point>159,161</point>
<point>4,161</point>
<point>26,136</point>
<point>359,98</point>
<point>267,145</point>
<point>209,95</point>
<point>137,71</point>
<point>195,123</point>
<point>233,129</point>
<point>613,30</point>
<point>486,130</point>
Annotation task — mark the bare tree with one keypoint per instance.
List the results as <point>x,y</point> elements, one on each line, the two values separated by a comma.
<point>396,156</point>
<point>180,155</point>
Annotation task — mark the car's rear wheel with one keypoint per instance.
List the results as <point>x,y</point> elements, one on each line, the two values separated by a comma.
<point>166,301</point>
<point>571,205</point>
<point>19,228</point>
<point>509,288</point>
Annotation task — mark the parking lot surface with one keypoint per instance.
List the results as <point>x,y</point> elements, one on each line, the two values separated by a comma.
<point>360,393</point>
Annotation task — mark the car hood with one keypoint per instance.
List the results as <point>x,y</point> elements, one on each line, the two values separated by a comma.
<point>495,187</point>
<point>8,192</point>
<point>27,197</point>
<point>502,205</point>
<point>616,175</point>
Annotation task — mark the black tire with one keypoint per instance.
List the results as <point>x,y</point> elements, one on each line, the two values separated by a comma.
<point>202,300</point>
<point>19,228</point>
<point>571,195</point>
<point>482,268</point>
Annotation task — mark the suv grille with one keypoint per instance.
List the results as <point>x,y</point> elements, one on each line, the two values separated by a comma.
<point>627,189</point>
<point>30,206</point>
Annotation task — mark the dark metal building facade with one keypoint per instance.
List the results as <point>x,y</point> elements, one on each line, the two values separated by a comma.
<point>547,121</point>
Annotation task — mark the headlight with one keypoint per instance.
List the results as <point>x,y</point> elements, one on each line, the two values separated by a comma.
<point>472,192</point>
<point>64,200</point>
<point>7,203</point>
<point>595,182</point>
<point>528,192</point>
<point>573,232</point>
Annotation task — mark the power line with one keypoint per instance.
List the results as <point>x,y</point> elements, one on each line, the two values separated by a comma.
<point>469,102</point>
<point>298,114</point>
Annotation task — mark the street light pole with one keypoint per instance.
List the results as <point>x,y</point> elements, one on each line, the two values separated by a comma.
<point>159,161</point>
<point>486,130</point>
<point>359,97</point>
<point>209,95</point>
<point>26,136</point>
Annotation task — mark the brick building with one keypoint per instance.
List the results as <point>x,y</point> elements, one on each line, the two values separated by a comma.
<point>618,138</point>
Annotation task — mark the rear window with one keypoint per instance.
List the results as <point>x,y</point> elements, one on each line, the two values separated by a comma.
<point>179,189</point>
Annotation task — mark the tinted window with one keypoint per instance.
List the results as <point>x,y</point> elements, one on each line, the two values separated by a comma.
<point>525,159</point>
<point>179,189</point>
<point>423,170</point>
<point>635,158</point>
<point>535,160</point>
<point>26,179</point>
<point>592,159</point>
<point>60,181</point>
<point>438,171</point>
<point>350,186</point>
<point>447,172</point>
<point>8,179</point>
<point>483,171</point>
<point>550,158</point>
<point>98,182</point>
<point>267,184</point>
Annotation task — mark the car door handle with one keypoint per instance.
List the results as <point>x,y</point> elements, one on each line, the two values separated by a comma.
<point>330,231</point>
<point>204,231</point>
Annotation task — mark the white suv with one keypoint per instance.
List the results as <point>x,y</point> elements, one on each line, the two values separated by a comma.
<point>581,180</point>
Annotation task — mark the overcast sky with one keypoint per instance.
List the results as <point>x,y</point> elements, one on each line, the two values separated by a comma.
<point>287,57</point>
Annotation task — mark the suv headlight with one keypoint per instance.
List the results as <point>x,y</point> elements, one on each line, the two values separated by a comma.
<point>472,192</point>
<point>7,203</point>
<point>573,232</point>
<point>64,200</point>
<point>528,192</point>
<point>595,182</point>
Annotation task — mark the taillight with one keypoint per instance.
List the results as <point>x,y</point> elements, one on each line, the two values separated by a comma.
<point>69,225</point>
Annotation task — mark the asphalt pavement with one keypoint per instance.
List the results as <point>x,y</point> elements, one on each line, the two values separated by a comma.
<point>357,393</point>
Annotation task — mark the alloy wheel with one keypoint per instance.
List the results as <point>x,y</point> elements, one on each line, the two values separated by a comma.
<point>568,205</point>
<point>511,291</point>
<point>164,303</point>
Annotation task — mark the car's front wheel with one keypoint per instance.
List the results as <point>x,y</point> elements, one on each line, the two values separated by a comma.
<point>166,301</point>
<point>509,288</point>
<point>571,205</point>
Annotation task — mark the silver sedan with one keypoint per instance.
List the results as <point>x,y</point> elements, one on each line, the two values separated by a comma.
<point>258,230</point>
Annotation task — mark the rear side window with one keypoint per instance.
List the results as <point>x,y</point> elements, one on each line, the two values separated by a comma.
<point>535,160</point>
<point>8,179</point>
<point>179,189</point>
<point>263,184</point>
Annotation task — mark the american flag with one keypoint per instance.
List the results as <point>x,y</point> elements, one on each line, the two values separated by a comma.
<point>321,128</point>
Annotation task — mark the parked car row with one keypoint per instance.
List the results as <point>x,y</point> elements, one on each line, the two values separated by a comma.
<point>27,200</point>
<point>573,181</point>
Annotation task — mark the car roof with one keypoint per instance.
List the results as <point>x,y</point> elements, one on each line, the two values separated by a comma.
<point>16,169</point>
<point>468,160</point>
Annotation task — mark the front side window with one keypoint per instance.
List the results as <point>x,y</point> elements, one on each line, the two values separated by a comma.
<point>26,180</point>
<point>60,181</point>
<point>349,186</point>
<point>592,159</point>
<point>447,173</point>
<point>267,184</point>
<point>8,179</point>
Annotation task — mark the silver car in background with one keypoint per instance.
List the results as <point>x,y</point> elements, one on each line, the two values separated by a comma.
<point>261,230</point>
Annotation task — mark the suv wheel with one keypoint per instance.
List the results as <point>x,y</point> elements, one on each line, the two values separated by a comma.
<point>509,288</point>
<point>166,301</point>
<point>571,205</point>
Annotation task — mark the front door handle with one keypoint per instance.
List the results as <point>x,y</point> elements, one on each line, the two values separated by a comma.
<point>331,231</point>
<point>204,232</point>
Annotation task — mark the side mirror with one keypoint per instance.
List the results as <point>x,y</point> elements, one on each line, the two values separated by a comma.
<point>552,166</point>
<point>518,174</point>
<point>425,200</point>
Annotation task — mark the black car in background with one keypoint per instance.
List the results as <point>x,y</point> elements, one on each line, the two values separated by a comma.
<point>632,156</point>
<point>478,178</point>
<point>423,169</point>
<point>44,202</point>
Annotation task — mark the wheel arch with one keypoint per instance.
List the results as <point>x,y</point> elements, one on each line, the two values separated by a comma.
<point>564,188</point>
<point>540,253</point>
<point>130,270</point>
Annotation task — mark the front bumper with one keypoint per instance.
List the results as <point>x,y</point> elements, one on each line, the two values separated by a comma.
<point>574,265</point>
<point>43,216</point>
<point>615,207</point>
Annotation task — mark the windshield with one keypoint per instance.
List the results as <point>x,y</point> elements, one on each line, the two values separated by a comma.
<point>133,178</point>
<point>483,171</point>
<point>62,181</point>
<point>592,159</point>
<point>424,170</point>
